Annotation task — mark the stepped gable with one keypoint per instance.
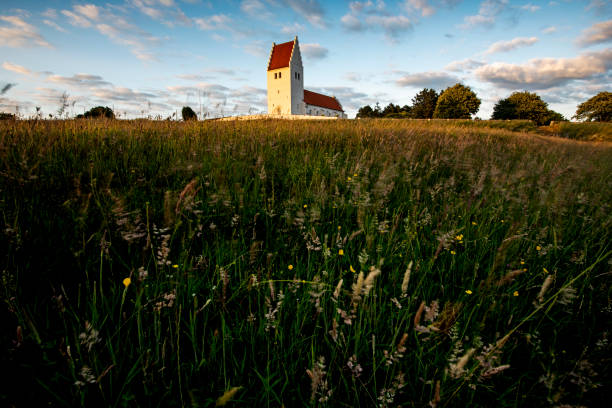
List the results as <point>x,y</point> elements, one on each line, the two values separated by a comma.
<point>324,101</point>
<point>281,55</point>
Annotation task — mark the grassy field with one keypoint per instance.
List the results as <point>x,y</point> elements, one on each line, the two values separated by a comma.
<point>279,263</point>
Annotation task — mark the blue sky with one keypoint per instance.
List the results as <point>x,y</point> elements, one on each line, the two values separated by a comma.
<point>151,57</point>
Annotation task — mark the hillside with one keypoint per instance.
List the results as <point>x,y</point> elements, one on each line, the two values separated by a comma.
<point>340,263</point>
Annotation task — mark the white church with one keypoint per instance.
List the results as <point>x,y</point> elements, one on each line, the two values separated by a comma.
<point>286,93</point>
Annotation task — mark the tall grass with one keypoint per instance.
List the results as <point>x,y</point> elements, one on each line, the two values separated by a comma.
<point>276,263</point>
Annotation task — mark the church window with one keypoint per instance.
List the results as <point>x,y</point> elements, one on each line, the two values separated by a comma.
<point>279,74</point>
<point>275,75</point>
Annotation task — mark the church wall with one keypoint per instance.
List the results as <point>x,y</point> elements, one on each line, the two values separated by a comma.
<point>320,111</point>
<point>279,91</point>
<point>297,81</point>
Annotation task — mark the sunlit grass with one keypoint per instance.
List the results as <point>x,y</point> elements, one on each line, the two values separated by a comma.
<point>270,263</point>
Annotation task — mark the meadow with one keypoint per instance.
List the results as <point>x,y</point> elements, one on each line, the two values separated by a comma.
<point>278,263</point>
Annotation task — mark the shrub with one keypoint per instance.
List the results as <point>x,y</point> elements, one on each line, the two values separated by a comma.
<point>188,114</point>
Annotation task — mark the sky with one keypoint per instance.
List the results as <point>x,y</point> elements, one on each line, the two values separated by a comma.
<point>152,57</point>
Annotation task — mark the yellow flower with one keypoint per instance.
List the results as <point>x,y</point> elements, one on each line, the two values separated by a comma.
<point>459,237</point>
<point>339,227</point>
<point>538,248</point>
<point>290,267</point>
<point>305,205</point>
<point>341,252</point>
<point>355,175</point>
<point>473,222</point>
<point>453,252</point>
<point>515,293</point>
<point>522,262</point>
<point>502,221</point>
<point>352,269</point>
<point>524,269</point>
<point>469,292</point>
<point>175,266</point>
<point>546,271</point>
<point>126,282</point>
<point>348,179</point>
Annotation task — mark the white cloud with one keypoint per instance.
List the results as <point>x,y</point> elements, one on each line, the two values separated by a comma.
<point>293,29</point>
<point>543,73</point>
<point>505,46</point>
<point>88,10</point>
<point>53,24</point>
<point>421,6</point>
<point>16,68</point>
<point>314,51</point>
<point>366,15</point>
<point>79,80</point>
<point>550,30</point>
<point>254,8</point>
<point>464,65</point>
<point>530,7</point>
<point>76,20</point>
<point>598,33</point>
<point>487,14</point>
<point>311,10</point>
<point>437,80</point>
<point>18,33</point>
<point>49,13</point>
<point>215,22</point>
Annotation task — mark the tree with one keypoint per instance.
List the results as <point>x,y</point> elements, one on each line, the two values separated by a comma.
<point>525,105</point>
<point>7,116</point>
<point>457,102</point>
<point>98,112</point>
<point>598,108</point>
<point>366,112</point>
<point>424,104</point>
<point>188,114</point>
<point>553,116</point>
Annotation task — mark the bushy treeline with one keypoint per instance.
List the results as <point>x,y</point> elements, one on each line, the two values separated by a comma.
<point>460,102</point>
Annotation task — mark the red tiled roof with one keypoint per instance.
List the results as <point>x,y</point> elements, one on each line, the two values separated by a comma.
<point>281,55</point>
<point>324,101</point>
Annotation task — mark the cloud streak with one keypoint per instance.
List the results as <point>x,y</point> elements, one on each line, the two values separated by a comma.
<point>430,79</point>
<point>506,46</point>
<point>596,34</point>
<point>9,66</point>
<point>544,73</point>
<point>16,33</point>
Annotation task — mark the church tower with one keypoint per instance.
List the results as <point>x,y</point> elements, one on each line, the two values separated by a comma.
<point>286,79</point>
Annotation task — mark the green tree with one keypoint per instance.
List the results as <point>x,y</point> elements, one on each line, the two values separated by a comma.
<point>424,104</point>
<point>598,108</point>
<point>553,116</point>
<point>525,105</point>
<point>188,114</point>
<point>457,102</point>
<point>365,112</point>
<point>98,112</point>
<point>504,110</point>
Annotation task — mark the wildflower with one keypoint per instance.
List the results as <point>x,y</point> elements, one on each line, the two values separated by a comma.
<point>355,175</point>
<point>341,252</point>
<point>348,179</point>
<point>522,262</point>
<point>453,252</point>
<point>538,248</point>
<point>474,223</point>
<point>126,282</point>
<point>515,293</point>
<point>502,221</point>
<point>469,292</point>
<point>305,205</point>
<point>290,267</point>
<point>545,270</point>
<point>352,269</point>
<point>459,237</point>
<point>339,227</point>
<point>524,269</point>
<point>175,266</point>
